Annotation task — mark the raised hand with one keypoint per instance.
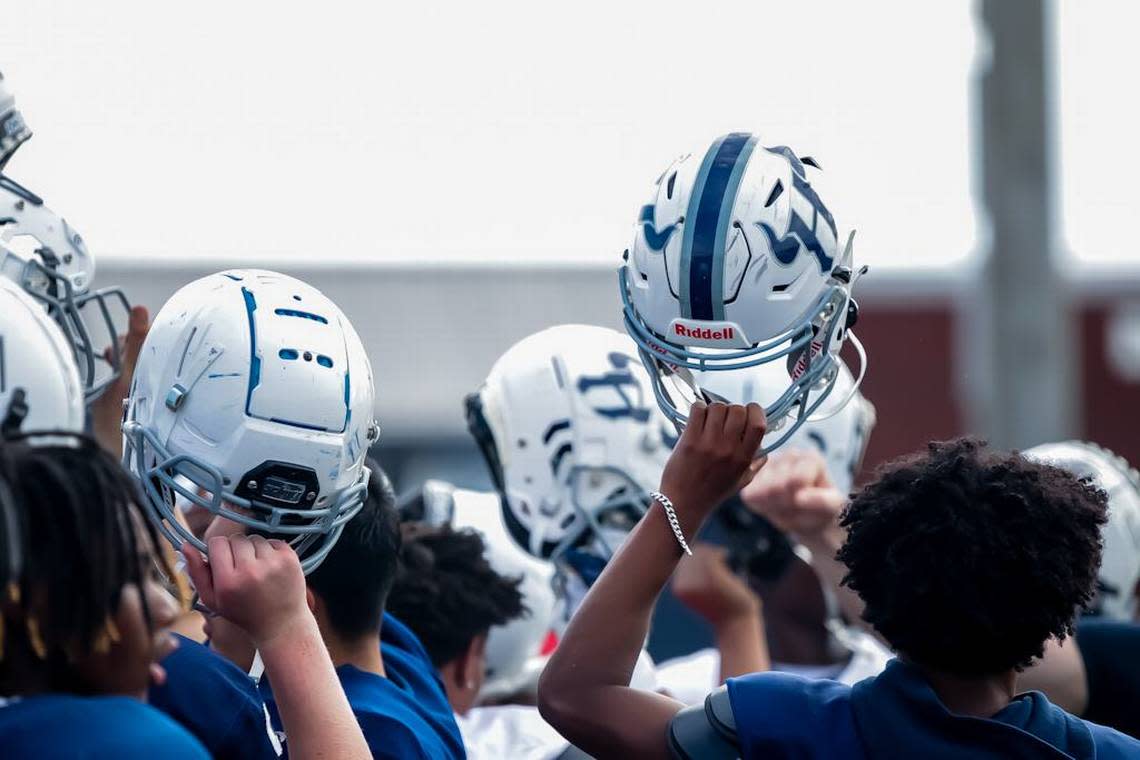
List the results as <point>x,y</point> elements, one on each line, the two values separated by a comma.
<point>715,456</point>
<point>253,582</point>
<point>796,494</point>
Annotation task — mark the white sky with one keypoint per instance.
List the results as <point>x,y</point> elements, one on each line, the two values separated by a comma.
<point>467,131</point>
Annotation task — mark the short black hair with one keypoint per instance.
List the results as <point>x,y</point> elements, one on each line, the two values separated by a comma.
<point>968,559</point>
<point>447,593</point>
<point>354,580</point>
<point>78,515</point>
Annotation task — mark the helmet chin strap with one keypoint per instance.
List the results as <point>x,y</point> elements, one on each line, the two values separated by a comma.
<point>858,345</point>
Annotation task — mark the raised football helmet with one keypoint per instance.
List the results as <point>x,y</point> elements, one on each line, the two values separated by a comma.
<point>41,253</point>
<point>253,399</point>
<point>39,384</point>
<point>840,428</point>
<point>1120,563</point>
<point>736,262</point>
<point>14,132</point>
<point>574,442</point>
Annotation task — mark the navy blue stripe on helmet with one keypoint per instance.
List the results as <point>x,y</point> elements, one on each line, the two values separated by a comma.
<point>703,255</point>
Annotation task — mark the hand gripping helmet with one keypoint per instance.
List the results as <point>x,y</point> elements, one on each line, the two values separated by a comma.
<point>735,263</point>
<point>253,399</point>
<point>840,429</point>
<point>1120,564</point>
<point>574,443</point>
<point>39,385</point>
<point>41,253</point>
<point>13,131</point>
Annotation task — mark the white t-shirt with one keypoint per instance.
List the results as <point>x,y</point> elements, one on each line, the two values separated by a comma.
<point>691,677</point>
<point>509,731</point>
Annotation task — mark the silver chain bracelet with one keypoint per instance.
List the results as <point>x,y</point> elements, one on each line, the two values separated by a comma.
<point>671,515</point>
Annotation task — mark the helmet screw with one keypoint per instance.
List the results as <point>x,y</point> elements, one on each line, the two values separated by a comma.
<point>67,258</point>
<point>310,495</point>
<point>251,485</point>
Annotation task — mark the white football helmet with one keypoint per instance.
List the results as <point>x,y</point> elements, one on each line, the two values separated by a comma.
<point>14,132</point>
<point>253,398</point>
<point>513,650</point>
<point>39,384</point>
<point>41,253</point>
<point>839,430</point>
<point>574,443</point>
<point>735,263</point>
<point>1120,564</point>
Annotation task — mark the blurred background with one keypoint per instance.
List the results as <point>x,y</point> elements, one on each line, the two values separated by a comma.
<point>459,175</point>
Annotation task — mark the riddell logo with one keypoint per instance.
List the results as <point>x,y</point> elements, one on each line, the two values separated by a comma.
<point>704,333</point>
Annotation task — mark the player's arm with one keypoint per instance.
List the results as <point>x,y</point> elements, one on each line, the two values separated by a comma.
<point>705,584</point>
<point>796,494</point>
<point>258,585</point>
<point>107,410</point>
<point>584,691</point>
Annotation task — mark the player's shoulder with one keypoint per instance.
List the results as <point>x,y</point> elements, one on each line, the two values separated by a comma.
<point>58,726</point>
<point>396,721</point>
<point>787,710</point>
<point>393,734</point>
<point>215,700</point>
<point>193,663</point>
<point>1111,744</point>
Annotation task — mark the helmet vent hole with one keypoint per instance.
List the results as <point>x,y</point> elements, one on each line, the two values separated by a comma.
<point>524,508</point>
<point>324,361</point>
<point>566,522</point>
<point>300,315</point>
<point>777,191</point>
<point>288,354</point>
<point>296,298</point>
<point>669,185</point>
<point>781,288</point>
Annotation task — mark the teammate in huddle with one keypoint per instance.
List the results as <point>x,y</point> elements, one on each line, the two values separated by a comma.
<point>574,444</point>
<point>959,506</point>
<point>251,399</point>
<point>80,634</point>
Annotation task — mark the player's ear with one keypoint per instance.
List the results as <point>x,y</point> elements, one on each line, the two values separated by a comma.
<point>474,661</point>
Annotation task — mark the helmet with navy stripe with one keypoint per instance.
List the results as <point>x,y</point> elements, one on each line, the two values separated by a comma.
<point>1118,582</point>
<point>573,440</point>
<point>252,398</point>
<point>736,262</point>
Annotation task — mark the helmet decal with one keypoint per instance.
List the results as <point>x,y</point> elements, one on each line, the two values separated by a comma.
<point>624,385</point>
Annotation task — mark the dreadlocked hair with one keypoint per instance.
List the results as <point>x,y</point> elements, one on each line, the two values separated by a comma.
<point>79,518</point>
<point>968,559</point>
<point>446,591</point>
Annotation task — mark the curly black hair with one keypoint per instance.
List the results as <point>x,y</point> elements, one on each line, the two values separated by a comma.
<point>968,559</point>
<point>447,593</point>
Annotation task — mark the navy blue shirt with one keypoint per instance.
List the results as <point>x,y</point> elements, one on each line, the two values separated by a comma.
<point>897,714</point>
<point>403,715</point>
<point>214,700</point>
<point>61,726</point>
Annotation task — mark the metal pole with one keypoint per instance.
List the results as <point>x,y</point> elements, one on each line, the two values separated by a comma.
<point>1020,349</point>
